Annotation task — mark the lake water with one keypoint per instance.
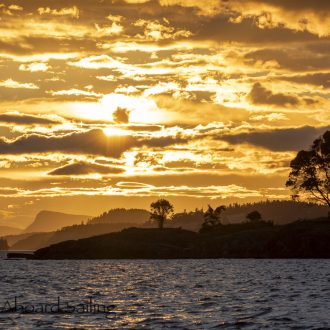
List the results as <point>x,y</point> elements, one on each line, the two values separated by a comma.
<point>168,294</point>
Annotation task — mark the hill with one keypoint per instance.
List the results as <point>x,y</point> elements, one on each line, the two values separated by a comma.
<point>117,219</point>
<point>5,230</point>
<point>12,239</point>
<point>129,243</point>
<point>32,242</point>
<point>280,212</point>
<point>301,239</point>
<point>39,240</point>
<point>47,221</point>
<point>108,222</point>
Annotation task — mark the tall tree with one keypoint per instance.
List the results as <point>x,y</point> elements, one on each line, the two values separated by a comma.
<point>310,172</point>
<point>161,211</point>
<point>212,217</point>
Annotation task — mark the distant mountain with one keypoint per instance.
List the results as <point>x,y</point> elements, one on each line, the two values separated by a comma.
<point>47,221</point>
<point>5,230</point>
<point>36,241</point>
<point>108,222</point>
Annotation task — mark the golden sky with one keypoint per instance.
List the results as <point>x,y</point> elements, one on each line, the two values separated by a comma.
<point>116,103</point>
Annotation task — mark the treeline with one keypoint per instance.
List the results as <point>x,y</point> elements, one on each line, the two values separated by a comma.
<point>120,215</point>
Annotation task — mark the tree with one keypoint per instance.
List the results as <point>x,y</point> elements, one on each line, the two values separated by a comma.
<point>310,172</point>
<point>161,211</point>
<point>212,217</point>
<point>254,216</point>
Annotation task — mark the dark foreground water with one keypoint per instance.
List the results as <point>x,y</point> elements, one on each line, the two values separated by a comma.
<point>161,294</point>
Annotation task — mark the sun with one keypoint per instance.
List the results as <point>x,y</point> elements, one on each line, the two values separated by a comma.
<point>111,131</point>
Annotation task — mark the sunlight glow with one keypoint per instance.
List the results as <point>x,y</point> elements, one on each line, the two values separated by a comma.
<point>141,109</point>
<point>111,131</point>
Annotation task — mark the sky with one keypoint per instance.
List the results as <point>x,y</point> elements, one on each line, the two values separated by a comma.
<point>108,104</point>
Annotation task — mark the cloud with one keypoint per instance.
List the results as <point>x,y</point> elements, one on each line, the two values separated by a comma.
<point>34,67</point>
<point>300,58</point>
<point>83,168</point>
<point>25,119</point>
<point>221,29</point>
<point>99,62</point>
<point>317,79</point>
<point>261,95</point>
<point>92,142</point>
<point>154,30</point>
<point>75,92</point>
<point>67,11</point>
<point>10,83</point>
<point>15,7</point>
<point>121,115</point>
<point>294,15</point>
<point>290,139</point>
<point>143,128</point>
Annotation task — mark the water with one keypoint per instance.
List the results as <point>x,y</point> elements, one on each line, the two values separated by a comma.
<point>171,294</point>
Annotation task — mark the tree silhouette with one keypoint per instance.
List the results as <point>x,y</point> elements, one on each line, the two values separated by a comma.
<point>310,172</point>
<point>212,217</point>
<point>161,211</point>
<point>254,216</point>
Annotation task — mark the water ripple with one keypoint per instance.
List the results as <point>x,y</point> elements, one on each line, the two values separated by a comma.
<point>172,294</point>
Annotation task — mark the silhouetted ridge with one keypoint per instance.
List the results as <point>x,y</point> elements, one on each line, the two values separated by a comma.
<point>301,239</point>
<point>280,212</point>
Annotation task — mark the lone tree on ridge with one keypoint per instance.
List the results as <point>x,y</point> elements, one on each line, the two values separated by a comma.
<point>161,211</point>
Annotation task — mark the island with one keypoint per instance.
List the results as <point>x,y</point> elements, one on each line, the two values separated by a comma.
<point>300,239</point>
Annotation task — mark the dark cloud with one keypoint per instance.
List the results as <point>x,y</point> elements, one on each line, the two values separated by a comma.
<point>121,115</point>
<point>297,59</point>
<point>291,139</point>
<point>143,128</point>
<point>317,79</point>
<point>22,119</point>
<point>90,142</point>
<point>162,142</point>
<point>315,5</point>
<point>261,95</point>
<point>83,168</point>
<point>93,142</point>
<point>220,29</point>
